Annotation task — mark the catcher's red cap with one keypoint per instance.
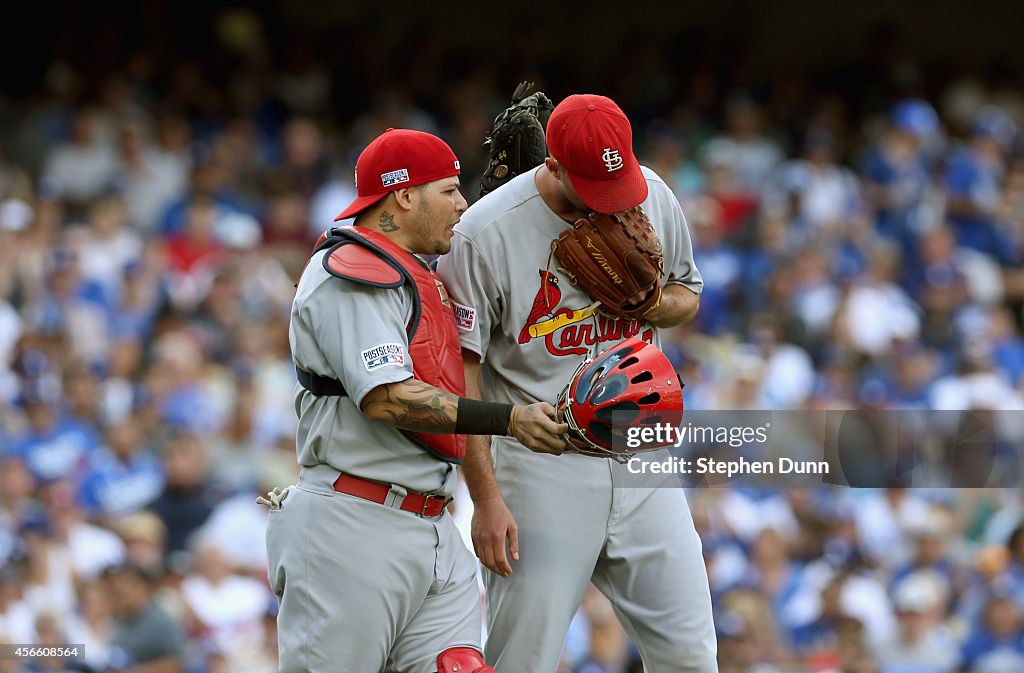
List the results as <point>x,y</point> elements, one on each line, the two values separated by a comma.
<point>591,136</point>
<point>396,159</point>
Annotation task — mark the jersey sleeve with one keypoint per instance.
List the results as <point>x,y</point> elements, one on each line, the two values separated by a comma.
<point>471,286</point>
<point>680,267</point>
<point>361,333</point>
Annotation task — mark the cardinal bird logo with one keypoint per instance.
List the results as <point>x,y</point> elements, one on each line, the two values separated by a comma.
<point>544,303</point>
<point>543,319</point>
<point>563,331</point>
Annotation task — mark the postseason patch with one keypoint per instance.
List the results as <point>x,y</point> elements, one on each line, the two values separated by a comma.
<point>384,355</point>
<point>465,316</point>
<point>395,177</point>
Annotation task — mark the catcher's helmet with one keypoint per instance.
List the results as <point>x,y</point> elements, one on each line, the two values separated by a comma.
<point>632,384</point>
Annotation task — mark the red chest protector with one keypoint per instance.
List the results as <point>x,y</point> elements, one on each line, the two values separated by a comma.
<point>365,256</point>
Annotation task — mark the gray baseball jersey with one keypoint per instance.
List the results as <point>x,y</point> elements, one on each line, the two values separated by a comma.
<point>519,312</point>
<point>363,586</point>
<point>532,328</point>
<point>356,334</point>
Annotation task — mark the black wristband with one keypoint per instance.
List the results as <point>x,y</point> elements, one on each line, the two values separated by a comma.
<point>482,418</point>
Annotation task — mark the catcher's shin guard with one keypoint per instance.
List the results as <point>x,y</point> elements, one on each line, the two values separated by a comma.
<point>462,660</point>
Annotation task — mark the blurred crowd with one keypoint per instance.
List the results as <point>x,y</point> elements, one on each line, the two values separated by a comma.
<point>859,253</point>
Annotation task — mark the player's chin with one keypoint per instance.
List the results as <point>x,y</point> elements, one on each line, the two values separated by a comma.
<point>444,246</point>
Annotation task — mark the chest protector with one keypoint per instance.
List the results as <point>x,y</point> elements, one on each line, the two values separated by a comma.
<point>364,256</point>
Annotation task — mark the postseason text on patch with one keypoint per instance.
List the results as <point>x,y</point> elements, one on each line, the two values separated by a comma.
<point>465,316</point>
<point>384,355</point>
<point>395,177</point>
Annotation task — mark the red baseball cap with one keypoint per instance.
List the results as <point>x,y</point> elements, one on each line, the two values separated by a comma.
<point>591,136</point>
<point>396,159</point>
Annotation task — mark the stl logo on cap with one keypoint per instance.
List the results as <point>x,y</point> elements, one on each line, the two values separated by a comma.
<point>591,138</point>
<point>611,159</point>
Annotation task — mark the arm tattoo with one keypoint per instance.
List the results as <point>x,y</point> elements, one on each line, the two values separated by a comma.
<point>387,223</point>
<point>420,407</point>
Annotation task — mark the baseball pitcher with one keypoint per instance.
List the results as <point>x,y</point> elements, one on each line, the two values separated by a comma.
<point>557,265</point>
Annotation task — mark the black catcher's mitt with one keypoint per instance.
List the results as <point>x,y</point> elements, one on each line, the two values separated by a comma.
<point>516,142</point>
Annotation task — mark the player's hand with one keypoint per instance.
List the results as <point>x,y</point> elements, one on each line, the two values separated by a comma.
<point>492,525</point>
<point>535,428</point>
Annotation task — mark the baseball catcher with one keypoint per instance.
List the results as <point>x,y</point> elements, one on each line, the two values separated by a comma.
<point>516,141</point>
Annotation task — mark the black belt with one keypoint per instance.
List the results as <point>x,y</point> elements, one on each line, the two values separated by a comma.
<point>321,386</point>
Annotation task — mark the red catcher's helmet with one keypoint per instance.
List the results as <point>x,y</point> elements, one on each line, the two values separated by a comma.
<point>632,384</point>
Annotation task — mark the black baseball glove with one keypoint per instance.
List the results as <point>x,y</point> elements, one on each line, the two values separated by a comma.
<point>516,141</point>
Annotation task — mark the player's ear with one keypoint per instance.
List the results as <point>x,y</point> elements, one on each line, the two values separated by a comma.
<point>552,166</point>
<point>404,198</point>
